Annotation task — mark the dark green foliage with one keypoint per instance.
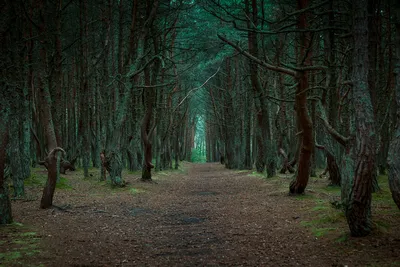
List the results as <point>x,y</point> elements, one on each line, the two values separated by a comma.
<point>197,156</point>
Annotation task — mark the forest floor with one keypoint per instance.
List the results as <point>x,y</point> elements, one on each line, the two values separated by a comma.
<point>201,215</point>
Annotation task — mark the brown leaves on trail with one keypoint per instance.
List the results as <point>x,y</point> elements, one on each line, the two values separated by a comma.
<point>208,216</point>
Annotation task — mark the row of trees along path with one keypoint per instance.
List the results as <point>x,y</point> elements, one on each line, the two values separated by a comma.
<point>294,86</point>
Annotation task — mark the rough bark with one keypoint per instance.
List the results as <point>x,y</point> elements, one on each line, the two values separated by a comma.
<point>332,167</point>
<point>356,189</point>
<point>394,150</point>
<point>150,95</point>
<point>84,127</point>
<point>261,117</point>
<point>46,115</point>
<point>298,185</point>
<point>15,158</point>
<point>52,173</point>
<point>57,73</point>
<point>5,204</point>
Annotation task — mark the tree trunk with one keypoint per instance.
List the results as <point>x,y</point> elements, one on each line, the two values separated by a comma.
<point>52,174</point>
<point>84,127</point>
<point>150,95</point>
<point>298,185</point>
<point>356,189</point>
<point>5,204</point>
<point>394,150</point>
<point>45,105</point>
<point>333,169</point>
<point>15,156</point>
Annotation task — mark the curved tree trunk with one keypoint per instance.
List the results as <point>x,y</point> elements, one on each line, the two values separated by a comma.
<point>394,150</point>
<point>45,106</point>
<point>356,189</point>
<point>298,185</point>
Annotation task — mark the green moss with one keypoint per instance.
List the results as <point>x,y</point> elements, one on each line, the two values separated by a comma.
<point>332,189</point>
<point>318,232</point>
<point>331,217</point>
<point>325,218</point>
<point>342,238</point>
<point>36,180</point>
<point>134,172</point>
<point>241,171</point>
<point>22,244</point>
<point>63,184</point>
<point>28,234</point>
<point>381,226</point>
<point>135,191</point>
<point>319,207</point>
<point>306,223</point>
<point>303,197</point>
<point>9,257</point>
<point>32,252</point>
<point>257,174</point>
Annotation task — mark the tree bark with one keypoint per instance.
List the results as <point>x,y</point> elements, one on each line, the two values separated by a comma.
<point>394,150</point>
<point>356,189</point>
<point>15,155</point>
<point>298,185</point>
<point>45,105</point>
<point>5,204</point>
<point>150,95</point>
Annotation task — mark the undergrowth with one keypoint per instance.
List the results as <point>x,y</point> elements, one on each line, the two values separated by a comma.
<point>326,211</point>
<point>21,245</point>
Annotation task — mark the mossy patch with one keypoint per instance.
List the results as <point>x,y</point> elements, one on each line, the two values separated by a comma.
<point>319,232</point>
<point>326,219</point>
<point>381,226</point>
<point>21,244</point>
<point>257,174</point>
<point>241,171</point>
<point>134,172</point>
<point>342,238</point>
<point>36,180</point>
<point>9,257</point>
<point>135,191</point>
<point>39,180</point>
<point>63,183</point>
<point>332,189</point>
<point>304,197</point>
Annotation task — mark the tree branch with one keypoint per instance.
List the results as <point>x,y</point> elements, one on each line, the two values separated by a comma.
<point>258,61</point>
<point>335,134</point>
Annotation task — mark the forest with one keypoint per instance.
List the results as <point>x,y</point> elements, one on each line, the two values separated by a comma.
<point>103,89</point>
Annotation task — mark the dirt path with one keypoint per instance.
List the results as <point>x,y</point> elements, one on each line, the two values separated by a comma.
<point>208,217</point>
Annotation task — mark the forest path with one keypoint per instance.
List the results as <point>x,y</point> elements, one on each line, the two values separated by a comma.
<point>209,216</point>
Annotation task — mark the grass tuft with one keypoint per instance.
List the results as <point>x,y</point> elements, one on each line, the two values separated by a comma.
<point>63,184</point>
<point>319,232</point>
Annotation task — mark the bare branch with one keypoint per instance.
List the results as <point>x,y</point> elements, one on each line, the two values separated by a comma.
<point>258,61</point>
<point>335,134</point>
<point>190,91</point>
